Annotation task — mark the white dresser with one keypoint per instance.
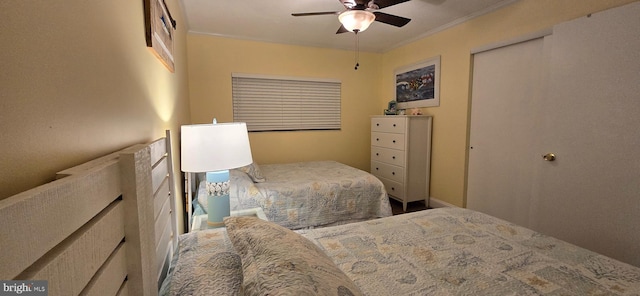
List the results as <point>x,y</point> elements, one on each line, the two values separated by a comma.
<point>401,155</point>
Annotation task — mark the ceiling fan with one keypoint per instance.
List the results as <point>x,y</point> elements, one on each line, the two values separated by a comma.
<point>359,14</point>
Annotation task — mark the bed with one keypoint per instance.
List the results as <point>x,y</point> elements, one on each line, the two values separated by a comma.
<point>305,194</point>
<point>446,251</point>
<point>108,227</point>
<point>105,227</point>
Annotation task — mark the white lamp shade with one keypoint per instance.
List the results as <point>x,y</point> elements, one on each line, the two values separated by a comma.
<point>359,20</point>
<point>214,147</point>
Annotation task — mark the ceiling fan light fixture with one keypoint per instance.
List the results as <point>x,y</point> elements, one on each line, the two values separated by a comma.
<point>356,20</point>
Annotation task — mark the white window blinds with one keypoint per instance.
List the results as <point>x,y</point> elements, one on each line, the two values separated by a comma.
<point>284,104</point>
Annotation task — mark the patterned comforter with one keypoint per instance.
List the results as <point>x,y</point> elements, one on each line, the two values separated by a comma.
<point>310,194</point>
<point>447,251</point>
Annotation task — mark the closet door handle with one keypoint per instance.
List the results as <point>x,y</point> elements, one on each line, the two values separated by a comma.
<point>549,157</point>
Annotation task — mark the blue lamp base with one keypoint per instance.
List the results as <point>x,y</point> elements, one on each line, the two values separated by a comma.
<point>218,205</point>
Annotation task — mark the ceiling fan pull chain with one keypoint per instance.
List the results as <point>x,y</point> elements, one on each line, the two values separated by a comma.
<point>357,51</point>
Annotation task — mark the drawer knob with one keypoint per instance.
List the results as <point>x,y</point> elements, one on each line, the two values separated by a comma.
<point>376,169</point>
<point>393,157</point>
<point>377,124</point>
<point>394,141</point>
<point>393,173</point>
<point>377,139</point>
<point>393,189</point>
<point>377,154</point>
<point>394,125</point>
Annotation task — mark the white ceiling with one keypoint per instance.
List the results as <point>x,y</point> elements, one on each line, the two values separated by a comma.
<point>271,21</point>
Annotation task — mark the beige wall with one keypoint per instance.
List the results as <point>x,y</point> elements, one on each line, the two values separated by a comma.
<point>77,82</point>
<point>367,91</point>
<point>213,59</point>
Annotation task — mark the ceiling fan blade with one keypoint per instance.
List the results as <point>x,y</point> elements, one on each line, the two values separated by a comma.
<point>390,19</point>
<point>341,30</point>
<point>316,13</point>
<point>387,3</point>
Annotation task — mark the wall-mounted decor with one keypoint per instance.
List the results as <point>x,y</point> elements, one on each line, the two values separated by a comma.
<point>418,85</point>
<point>159,30</point>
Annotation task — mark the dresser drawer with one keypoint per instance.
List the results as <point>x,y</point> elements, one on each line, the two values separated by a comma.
<point>387,140</point>
<point>388,124</point>
<point>386,155</point>
<point>387,171</point>
<point>394,189</point>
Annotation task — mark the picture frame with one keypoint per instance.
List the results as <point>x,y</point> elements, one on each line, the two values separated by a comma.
<point>391,108</point>
<point>418,85</point>
<point>159,31</point>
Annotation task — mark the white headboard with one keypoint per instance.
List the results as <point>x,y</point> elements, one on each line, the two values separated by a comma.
<point>106,227</point>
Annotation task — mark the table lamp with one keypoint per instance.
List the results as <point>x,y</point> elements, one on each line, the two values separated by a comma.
<point>214,149</point>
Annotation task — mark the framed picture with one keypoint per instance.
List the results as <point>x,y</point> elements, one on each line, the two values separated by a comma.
<point>391,108</point>
<point>159,31</point>
<point>418,85</point>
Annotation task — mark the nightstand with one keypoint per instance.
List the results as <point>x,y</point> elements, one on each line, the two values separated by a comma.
<point>200,221</point>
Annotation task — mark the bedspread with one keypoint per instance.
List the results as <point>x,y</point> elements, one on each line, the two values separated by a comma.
<point>457,251</point>
<point>310,194</point>
<point>448,251</point>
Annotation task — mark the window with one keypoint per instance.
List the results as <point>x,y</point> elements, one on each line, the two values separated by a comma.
<point>269,103</point>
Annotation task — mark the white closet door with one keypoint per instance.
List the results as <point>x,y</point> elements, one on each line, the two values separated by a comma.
<point>590,195</point>
<point>506,94</point>
<point>586,112</point>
